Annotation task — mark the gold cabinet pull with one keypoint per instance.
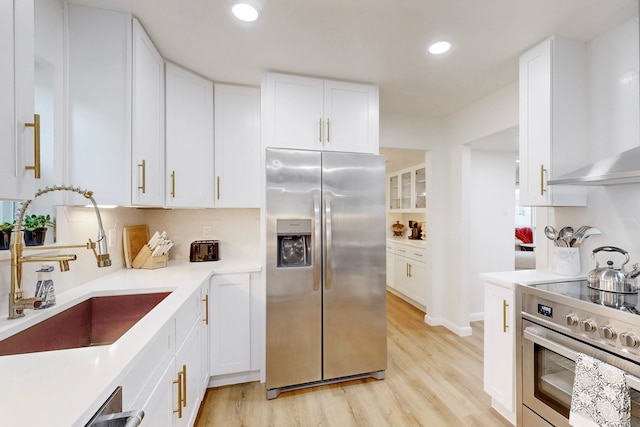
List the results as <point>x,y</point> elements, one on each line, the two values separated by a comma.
<point>143,187</point>
<point>218,186</point>
<point>320,129</point>
<point>36,146</point>
<point>409,270</point>
<point>173,184</point>
<point>184,386</point>
<point>206,309</point>
<point>504,315</point>
<point>179,383</point>
<point>328,131</point>
<point>542,172</point>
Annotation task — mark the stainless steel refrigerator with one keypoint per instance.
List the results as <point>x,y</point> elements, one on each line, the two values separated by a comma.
<point>326,268</point>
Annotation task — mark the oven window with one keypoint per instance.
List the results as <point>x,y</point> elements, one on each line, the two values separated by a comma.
<point>553,379</point>
<point>553,383</point>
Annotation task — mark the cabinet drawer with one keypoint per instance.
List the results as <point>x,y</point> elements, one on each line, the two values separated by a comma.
<point>416,254</point>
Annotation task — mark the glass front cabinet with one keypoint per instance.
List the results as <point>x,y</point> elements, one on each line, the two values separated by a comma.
<point>407,189</point>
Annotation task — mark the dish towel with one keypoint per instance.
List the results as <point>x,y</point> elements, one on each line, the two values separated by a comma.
<point>600,396</point>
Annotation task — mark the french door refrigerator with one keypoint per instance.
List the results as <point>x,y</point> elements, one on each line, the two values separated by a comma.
<point>326,268</point>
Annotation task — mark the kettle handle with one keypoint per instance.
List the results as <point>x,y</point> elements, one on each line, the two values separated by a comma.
<point>610,249</point>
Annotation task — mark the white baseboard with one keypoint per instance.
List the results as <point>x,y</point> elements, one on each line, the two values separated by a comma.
<point>239,378</point>
<point>462,331</point>
<point>476,317</point>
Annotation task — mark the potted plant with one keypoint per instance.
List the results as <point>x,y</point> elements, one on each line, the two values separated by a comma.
<point>35,229</point>
<point>5,235</point>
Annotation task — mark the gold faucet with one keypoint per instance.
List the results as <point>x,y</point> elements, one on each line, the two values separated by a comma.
<point>17,302</point>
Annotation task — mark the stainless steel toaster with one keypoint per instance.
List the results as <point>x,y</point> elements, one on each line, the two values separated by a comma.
<point>204,250</point>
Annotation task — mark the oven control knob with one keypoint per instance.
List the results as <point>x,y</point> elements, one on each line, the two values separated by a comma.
<point>607,332</point>
<point>629,339</point>
<point>588,325</point>
<point>571,319</point>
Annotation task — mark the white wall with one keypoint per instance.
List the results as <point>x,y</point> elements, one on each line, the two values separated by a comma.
<point>491,200</point>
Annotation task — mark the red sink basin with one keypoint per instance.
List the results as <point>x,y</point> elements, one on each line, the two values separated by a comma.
<point>96,321</point>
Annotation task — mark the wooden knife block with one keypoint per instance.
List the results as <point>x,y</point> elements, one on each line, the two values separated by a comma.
<point>145,260</point>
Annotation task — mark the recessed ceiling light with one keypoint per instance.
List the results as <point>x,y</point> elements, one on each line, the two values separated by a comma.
<point>439,48</point>
<point>247,10</point>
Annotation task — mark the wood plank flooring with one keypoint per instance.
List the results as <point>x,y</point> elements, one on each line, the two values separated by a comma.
<point>433,379</point>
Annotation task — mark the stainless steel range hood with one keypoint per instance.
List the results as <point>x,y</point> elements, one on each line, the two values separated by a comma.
<point>623,168</point>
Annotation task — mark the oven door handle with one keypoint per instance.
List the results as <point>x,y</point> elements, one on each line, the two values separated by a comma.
<point>632,382</point>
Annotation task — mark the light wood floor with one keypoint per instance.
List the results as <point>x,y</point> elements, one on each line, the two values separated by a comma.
<point>433,379</point>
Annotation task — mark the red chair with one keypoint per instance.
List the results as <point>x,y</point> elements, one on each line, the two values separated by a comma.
<point>525,235</point>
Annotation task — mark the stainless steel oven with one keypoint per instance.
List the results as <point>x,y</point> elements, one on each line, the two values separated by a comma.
<point>554,327</point>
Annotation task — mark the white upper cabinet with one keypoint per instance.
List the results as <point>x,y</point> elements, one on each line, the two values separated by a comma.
<point>315,114</point>
<point>148,121</point>
<point>189,139</point>
<point>553,102</point>
<point>237,146</point>
<point>109,89</point>
<point>407,189</point>
<point>16,102</point>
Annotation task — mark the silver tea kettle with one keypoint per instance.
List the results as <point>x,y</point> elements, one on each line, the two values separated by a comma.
<point>612,279</point>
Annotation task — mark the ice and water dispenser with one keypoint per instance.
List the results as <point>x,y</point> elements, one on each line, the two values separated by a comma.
<point>294,243</point>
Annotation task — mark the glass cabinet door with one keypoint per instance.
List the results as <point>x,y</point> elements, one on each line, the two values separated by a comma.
<point>394,192</point>
<point>420,188</point>
<point>405,202</point>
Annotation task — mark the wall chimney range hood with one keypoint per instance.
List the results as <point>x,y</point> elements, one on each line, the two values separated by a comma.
<point>623,168</point>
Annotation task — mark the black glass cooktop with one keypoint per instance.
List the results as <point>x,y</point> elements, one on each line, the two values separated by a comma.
<point>578,289</point>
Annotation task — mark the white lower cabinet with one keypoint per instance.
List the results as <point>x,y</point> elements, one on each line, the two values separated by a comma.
<point>407,273</point>
<point>236,322</point>
<point>499,348</point>
<point>231,324</point>
<point>171,395</point>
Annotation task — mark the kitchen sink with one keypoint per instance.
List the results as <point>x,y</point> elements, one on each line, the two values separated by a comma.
<point>96,321</point>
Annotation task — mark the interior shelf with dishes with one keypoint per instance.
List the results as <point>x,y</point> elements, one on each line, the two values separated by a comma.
<point>407,189</point>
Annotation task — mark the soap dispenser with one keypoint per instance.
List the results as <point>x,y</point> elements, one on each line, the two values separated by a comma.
<point>44,287</point>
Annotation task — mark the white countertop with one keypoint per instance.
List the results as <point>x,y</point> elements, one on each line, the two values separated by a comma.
<point>509,279</point>
<point>404,241</point>
<point>66,387</point>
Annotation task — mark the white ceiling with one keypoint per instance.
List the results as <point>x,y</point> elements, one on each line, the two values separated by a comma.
<point>376,41</point>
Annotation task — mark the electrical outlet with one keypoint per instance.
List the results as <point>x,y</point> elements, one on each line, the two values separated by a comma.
<point>206,231</point>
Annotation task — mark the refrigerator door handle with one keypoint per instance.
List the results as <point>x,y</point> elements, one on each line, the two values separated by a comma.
<point>327,242</point>
<point>316,243</point>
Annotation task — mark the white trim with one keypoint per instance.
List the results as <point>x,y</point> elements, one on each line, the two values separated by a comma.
<point>238,378</point>
<point>462,331</point>
<point>476,317</point>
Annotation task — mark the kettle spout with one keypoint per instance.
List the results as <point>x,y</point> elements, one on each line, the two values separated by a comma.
<point>635,272</point>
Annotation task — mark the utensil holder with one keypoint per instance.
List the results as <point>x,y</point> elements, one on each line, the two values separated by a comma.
<point>566,261</point>
<point>145,260</point>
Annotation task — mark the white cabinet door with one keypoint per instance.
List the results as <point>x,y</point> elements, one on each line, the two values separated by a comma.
<point>293,113</point>
<point>189,139</point>
<point>99,103</point>
<point>499,345</point>
<point>158,409</point>
<point>351,117</point>
<point>188,368</point>
<point>148,121</point>
<point>411,273</point>
<point>204,339</point>
<point>16,102</point>
<point>552,121</point>
<point>230,317</point>
<point>391,271</point>
<point>237,146</point>
<point>315,114</point>
<point>407,189</point>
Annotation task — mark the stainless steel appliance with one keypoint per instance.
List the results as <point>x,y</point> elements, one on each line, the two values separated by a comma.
<point>557,321</point>
<point>204,250</point>
<point>110,413</point>
<point>326,302</point>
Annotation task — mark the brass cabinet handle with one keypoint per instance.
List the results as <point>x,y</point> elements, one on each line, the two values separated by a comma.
<point>144,173</point>
<point>410,270</point>
<point>542,172</point>
<point>218,185</point>
<point>328,131</point>
<point>504,315</point>
<point>184,386</point>
<point>320,129</point>
<point>36,146</point>
<point>173,184</point>
<point>179,382</point>
<point>206,309</point>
